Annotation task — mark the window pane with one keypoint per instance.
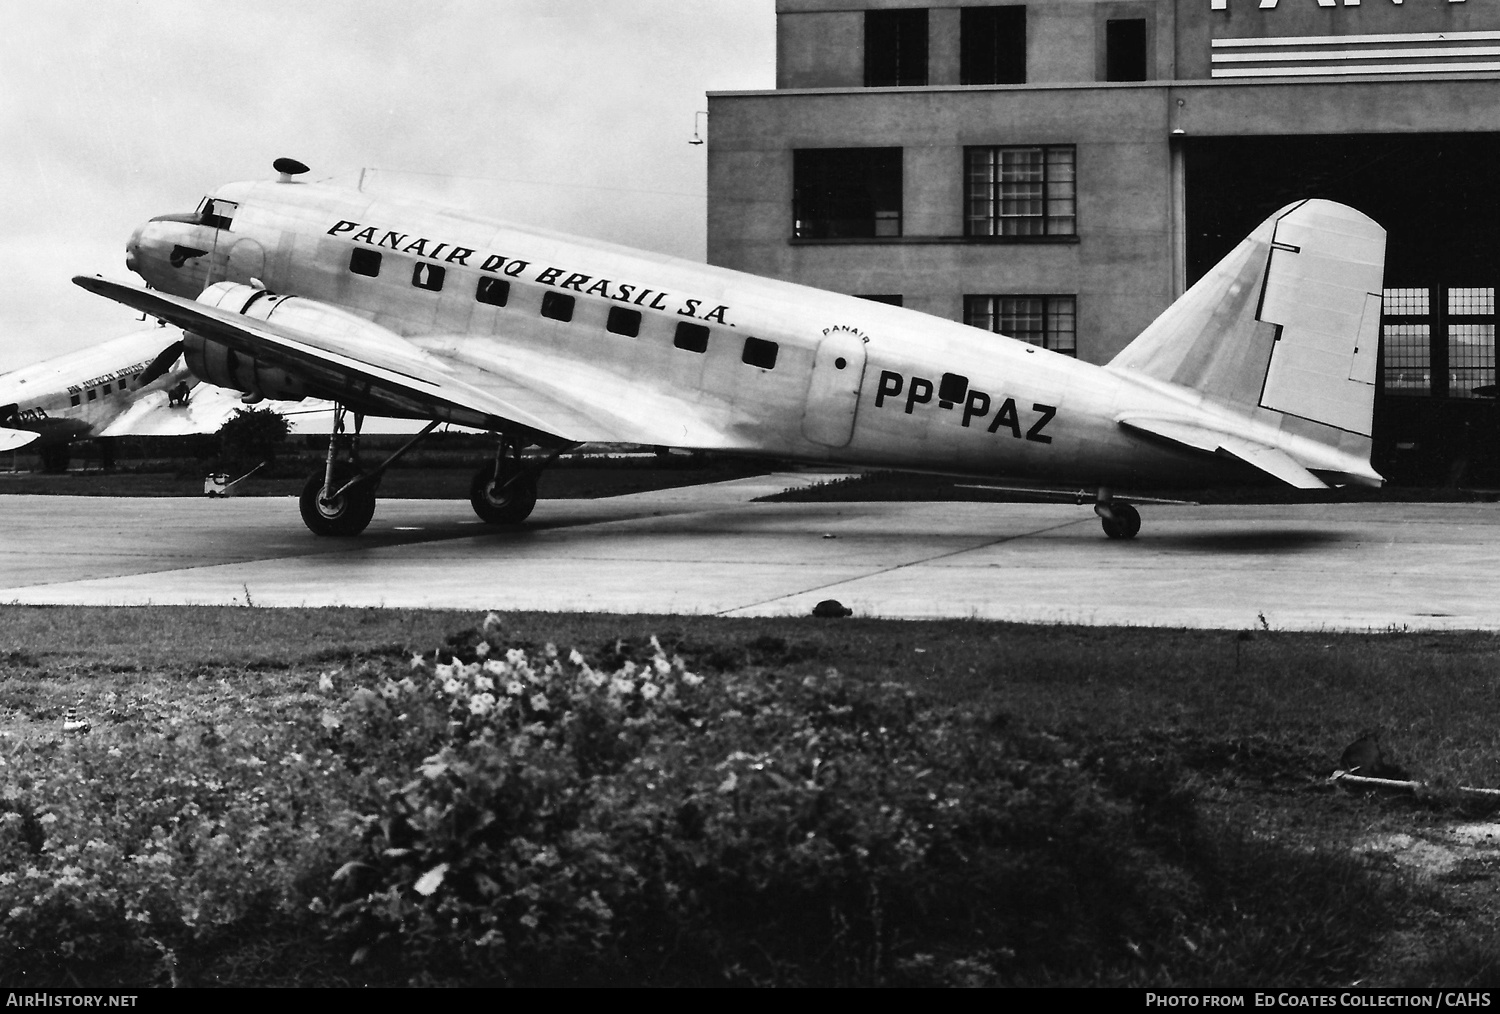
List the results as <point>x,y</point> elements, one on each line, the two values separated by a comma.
<point>557,306</point>
<point>1471,358</point>
<point>428,276</point>
<point>364,262</point>
<point>759,352</point>
<point>840,193</point>
<point>1408,349</point>
<point>1021,191</point>
<point>895,48</point>
<point>623,321</point>
<point>691,337</point>
<point>992,45</point>
<point>1048,321</point>
<point>1471,301</point>
<point>494,291</point>
<point>1125,50</point>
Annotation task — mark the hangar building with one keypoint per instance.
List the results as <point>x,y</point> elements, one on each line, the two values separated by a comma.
<point>1061,170</point>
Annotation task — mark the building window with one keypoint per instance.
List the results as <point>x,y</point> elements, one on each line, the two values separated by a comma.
<point>623,321</point>
<point>428,276</point>
<point>557,306</point>
<point>1125,49</point>
<point>895,48</point>
<point>992,45</point>
<point>494,291</point>
<point>889,300</point>
<point>1470,320</point>
<point>846,193</point>
<point>1438,342</point>
<point>364,262</point>
<point>1048,321</point>
<point>761,353</point>
<point>691,337</point>
<point>1021,191</point>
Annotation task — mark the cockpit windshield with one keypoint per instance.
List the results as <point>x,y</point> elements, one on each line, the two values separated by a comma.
<point>213,212</point>
<point>217,213</point>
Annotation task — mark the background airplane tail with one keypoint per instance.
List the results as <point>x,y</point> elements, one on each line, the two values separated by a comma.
<point>1288,324</point>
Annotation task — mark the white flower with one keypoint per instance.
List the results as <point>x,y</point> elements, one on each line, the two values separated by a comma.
<point>619,685</point>
<point>417,661</point>
<point>482,649</point>
<point>515,656</point>
<point>691,680</point>
<point>325,682</point>
<point>482,704</point>
<point>539,702</point>
<point>483,683</point>
<point>452,686</point>
<point>649,691</point>
<point>494,667</point>
<point>575,657</point>
<point>515,688</point>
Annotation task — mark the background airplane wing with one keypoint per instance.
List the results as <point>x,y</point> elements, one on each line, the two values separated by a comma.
<point>12,439</point>
<point>153,415</point>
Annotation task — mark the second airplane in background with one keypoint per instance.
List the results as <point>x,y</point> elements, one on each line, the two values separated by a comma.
<point>1265,367</point>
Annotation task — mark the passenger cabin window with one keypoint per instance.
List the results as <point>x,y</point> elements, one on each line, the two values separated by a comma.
<point>846,193</point>
<point>761,353</point>
<point>215,213</point>
<point>992,45</point>
<point>557,306</point>
<point>953,389</point>
<point>691,337</point>
<point>494,291</point>
<point>106,390</point>
<point>1125,49</point>
<point>74,400</point>
<point>895,48</point>
<point>623,321</point>
<point>428,276</point>
<point>93,394</point>
<point>364,262</point>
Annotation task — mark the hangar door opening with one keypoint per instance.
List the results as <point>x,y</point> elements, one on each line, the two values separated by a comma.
<point>1436,418</point>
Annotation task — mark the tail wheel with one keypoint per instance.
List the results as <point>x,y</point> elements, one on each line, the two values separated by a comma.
<point>1126,522</point>
<point>507,500</point>
<point>346,514</point>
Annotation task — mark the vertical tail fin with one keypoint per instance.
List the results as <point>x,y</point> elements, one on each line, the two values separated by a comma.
<point>1287,325</point>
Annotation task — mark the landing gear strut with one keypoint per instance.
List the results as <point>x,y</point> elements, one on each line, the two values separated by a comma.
<point>340,499</point>
<point>503,491</point>
<point>1120,519</point>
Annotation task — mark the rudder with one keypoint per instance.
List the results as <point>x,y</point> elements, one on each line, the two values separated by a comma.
<point>1289,321</point>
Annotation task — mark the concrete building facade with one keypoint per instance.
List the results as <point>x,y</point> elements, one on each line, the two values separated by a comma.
<point>1061,170</point>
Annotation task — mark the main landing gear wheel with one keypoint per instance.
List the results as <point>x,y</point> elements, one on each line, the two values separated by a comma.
<point>345,514</point>
<point>1124,523</point>
<point>506,501</point>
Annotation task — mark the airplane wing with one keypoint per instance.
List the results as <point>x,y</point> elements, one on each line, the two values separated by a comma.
<point>1271,460</point>
<point>404,382</point>
<point>153,415</point>
<point>12,439</point>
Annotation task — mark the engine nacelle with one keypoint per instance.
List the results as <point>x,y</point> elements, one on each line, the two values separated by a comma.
<point>218,364</point>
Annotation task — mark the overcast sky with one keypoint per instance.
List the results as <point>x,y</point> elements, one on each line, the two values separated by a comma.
<point>571,114</point>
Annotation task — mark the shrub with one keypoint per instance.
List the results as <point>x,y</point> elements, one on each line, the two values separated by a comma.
<point>650,825</point>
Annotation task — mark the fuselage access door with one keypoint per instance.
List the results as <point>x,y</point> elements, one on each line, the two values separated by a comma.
<point>833,389</point>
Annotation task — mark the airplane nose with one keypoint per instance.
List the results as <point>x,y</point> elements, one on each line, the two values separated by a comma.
<point>133,251</point>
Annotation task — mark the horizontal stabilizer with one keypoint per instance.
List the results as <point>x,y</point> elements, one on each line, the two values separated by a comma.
<point>12,439</point>
<point>1271,460</point>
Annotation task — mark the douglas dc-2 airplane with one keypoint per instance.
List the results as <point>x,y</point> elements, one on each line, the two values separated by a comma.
<point>134,385</point>
<point>1265,367</point>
